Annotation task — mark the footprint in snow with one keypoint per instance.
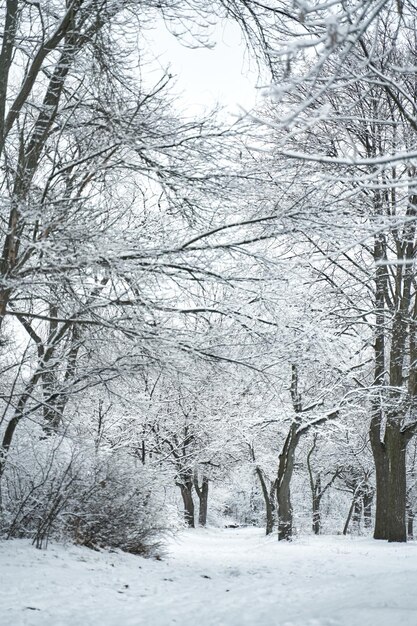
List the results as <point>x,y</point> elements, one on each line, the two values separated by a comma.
<point>233,571</point>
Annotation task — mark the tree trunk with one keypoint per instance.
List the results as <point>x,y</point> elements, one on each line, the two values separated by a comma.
<point>397,485</point>
<point>349,517</point>
<point>410,524</point>
<point>271,516</point>
<point>391,489</point>
<point>269,497</point>
<point>375,433</point>
<point>202,514</point>
<point>187,498</point>
<point>285,517</point>
<point>316,514</point>
<point>286,465</point>
<point>381,503</point>
<point>202,493</point>
<point>381,477</point>
<point>285,472</point>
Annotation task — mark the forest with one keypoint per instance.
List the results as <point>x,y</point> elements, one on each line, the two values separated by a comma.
<point>207,322</point>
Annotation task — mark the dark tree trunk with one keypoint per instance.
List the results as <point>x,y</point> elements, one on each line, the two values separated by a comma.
<point>286,465</point>
<point>272,513</point>
<point>397,485</point>
<point>202,513</point>
<point>381,479</point>
<point>187,498</point>
<point>349,517</point>
<point>410,523</point>
<point>285,516</point>
<point>285,472</point>
<point>350,513</point>
<point>316,513</point>
<point>202,493</point>
<point>395,364</point>
<point>375,434</point>
<point>269,498</point>
<point>391,487</point>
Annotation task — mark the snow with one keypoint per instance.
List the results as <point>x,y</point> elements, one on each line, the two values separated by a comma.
<point>214,577</point>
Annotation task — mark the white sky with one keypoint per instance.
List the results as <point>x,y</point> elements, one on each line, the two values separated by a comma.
<point>205,76</point>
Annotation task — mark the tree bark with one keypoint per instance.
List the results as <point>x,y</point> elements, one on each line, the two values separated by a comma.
<point>316,512</point>
<point>285,514</point>
<point>350,513</point>
<point>410,524</point>
<point>6,56</point>
<point>375,434</point>
<point>397,486</point>
<point>187,498</point>
<point>269,499</point>
<point>285,472</point>
<point>202,493</point>
<point>381,479</point>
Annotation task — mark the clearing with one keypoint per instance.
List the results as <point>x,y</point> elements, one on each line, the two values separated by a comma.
<point>214,577</point>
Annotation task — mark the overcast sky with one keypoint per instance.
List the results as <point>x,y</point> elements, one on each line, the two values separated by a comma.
<point>205,76</point>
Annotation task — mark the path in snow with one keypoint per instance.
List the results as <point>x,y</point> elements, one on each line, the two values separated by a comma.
<point>232,577</point>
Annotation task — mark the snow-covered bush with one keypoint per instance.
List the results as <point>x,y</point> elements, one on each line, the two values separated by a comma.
<point>57,488</point>
<point>119,508</point>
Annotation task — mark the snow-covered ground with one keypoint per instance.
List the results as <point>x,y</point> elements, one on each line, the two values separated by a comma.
<point>231,577</point>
